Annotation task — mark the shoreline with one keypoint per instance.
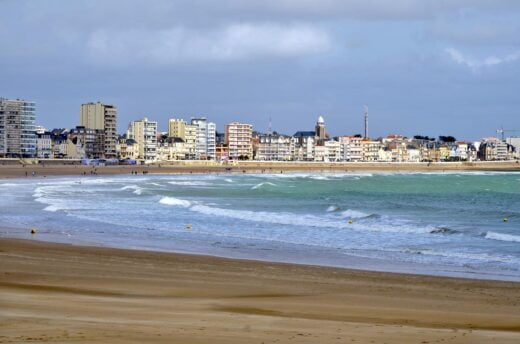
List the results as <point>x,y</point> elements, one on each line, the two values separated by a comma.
<point>60,292</point>
<point>326,256</point>
<point>64,168</point>
<point>355,262</point>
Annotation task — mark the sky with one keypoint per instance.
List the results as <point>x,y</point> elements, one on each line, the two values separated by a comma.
<point>428,67</point>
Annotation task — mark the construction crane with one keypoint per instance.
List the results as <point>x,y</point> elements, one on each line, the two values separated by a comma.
<point>502,132</point>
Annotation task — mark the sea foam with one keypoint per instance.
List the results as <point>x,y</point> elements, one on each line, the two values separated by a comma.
<point>52,208</point>
<point>188,183</point>
<point>175,201</point>
<point>502,237</point>
<point>332,208</point>
<point>257,186</point>
<point>353,214</point>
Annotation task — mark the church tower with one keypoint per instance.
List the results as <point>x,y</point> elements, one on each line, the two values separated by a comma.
<point>320,129</point>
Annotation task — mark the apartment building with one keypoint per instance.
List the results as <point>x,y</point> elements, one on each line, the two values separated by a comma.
<point>274,147</point>
<point>350,148</point>
<point>144,132</point>
<point>370,149</point>
<point>495,149</point>
<point>101,117</point>
<point>205,138</point>
<point>17,128</point>
<point>92,141</point>
<point>127,149</point>
<point>171,148</point>
<point>176,128</point>
<point>238,138</point>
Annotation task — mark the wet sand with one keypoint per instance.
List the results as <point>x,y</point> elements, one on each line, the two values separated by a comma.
<point>65,293</point>
<point>56,168</point>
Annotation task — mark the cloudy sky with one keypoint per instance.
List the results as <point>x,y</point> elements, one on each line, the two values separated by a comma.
<point>422,66</point>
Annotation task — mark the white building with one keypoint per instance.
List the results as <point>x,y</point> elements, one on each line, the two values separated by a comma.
<point>370,150</point>
<point>494,149</point>
<point>350,147</point>
<point>17,128</point>
<point>304,144</point>
<point>205,138</point>
<point>171,148</point>
<point>273,147</point>
<point>515,142</point>
<point>239,139</point>
<point>144,132</point>
<point>44,145</point>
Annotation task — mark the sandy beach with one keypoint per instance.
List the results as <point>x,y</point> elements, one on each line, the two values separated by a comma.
<point>64,293</point>
<point>13,169</point>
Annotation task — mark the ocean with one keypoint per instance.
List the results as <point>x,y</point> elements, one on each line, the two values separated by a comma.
<point>450,224</point>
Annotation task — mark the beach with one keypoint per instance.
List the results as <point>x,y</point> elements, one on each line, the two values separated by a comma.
<point>103,265</point>
<point>14,169</point>
<point>66,293</point>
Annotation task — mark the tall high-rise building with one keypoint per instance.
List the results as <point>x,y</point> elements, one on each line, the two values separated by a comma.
<point>206,138</point>
<point>101,116</point>
<point>190,139</point>
<point>17,128</point>
<point>144,132</point>
<point>239,139</point>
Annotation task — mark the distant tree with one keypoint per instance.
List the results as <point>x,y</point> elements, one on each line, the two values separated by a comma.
<point>447,139</point>
<point>358,135</point>
<point>426,138</point>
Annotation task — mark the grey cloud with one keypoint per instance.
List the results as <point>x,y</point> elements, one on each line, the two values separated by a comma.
<point>183,45</point>
<point>289,59</point>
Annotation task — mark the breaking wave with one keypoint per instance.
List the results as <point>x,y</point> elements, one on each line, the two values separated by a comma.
<point>175,201</point>
<point>502,237</point>
<point>52,208</point>
<point>332,208</point>
<point>188,183</point>
<point>262,184</point>
<point>353,214</point>
<point>137,189</point>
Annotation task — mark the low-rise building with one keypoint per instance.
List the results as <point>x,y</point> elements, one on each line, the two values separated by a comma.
<point>304,144</point>
<point>171,148</point>
<point>494,149</point>
<point>351,149</point>
<point>274,147</point>
<point>127,149</point>
<point>221,152</point>
<point>44,145</point>
<point>92,141</point>
<point>370,150</point>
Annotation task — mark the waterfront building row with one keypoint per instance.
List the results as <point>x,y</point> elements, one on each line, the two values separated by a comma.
<point>96,138</point>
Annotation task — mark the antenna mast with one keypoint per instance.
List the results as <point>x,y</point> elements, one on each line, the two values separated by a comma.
<point>366,121</point>
<point>270,128</point>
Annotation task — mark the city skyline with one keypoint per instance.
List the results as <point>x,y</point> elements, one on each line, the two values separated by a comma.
<point>424,67</point>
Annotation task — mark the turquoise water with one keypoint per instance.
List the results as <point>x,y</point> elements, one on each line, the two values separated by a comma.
<point>435,223</point>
